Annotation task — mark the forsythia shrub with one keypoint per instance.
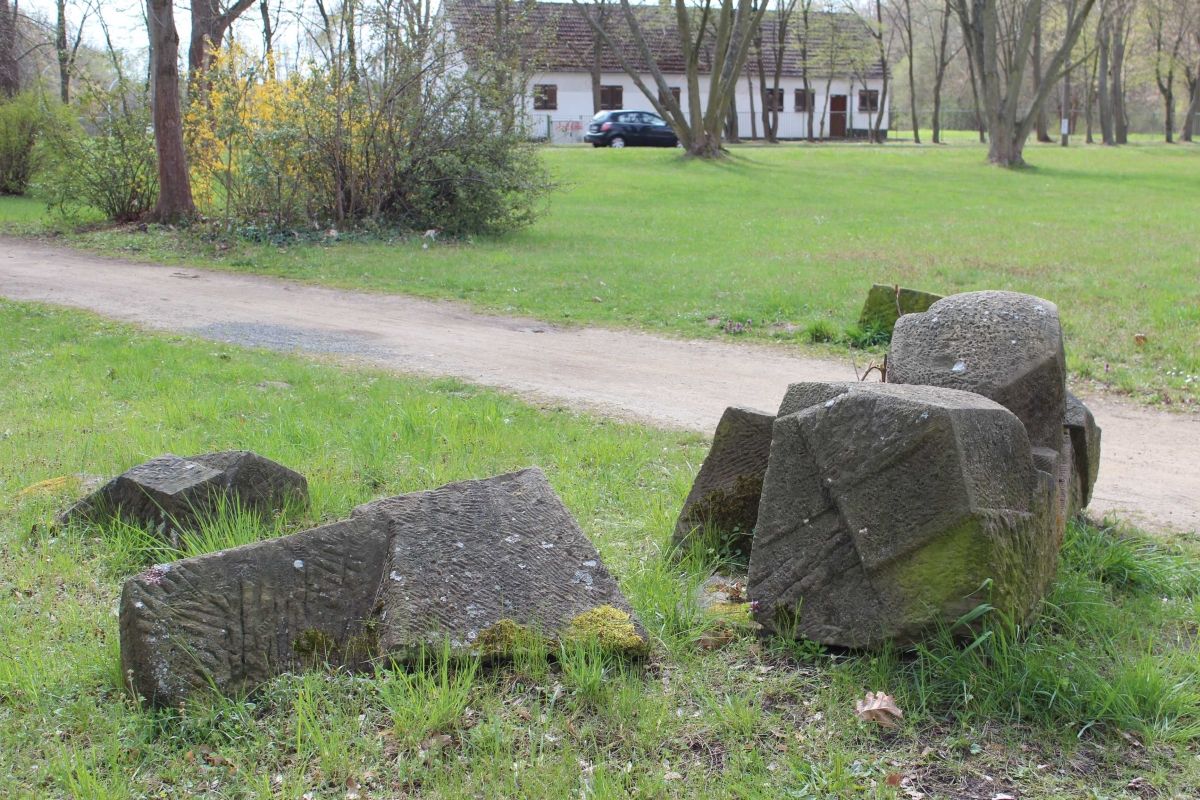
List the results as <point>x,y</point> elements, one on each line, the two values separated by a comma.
<point>319,149</point>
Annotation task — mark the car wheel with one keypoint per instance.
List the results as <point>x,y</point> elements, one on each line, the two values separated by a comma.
<point>616,141</point>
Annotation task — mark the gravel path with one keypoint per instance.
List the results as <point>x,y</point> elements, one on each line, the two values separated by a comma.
<point>1150,472</point>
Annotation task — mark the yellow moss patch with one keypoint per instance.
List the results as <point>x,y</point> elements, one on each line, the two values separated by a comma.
<point>734,612</point>
<point>503,638</point>
<point>611,627</point>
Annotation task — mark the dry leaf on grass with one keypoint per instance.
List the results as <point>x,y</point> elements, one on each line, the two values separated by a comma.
<point>879,707</point>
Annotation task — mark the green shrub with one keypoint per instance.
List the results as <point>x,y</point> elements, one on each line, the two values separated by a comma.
<point>22,120</point>
<point>109,164</point>
<point>820,331</point>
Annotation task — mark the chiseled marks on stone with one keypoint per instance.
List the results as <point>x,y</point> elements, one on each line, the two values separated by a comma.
<point>887,508</point>
<point>725,493</point>
<point>233,619</point>
<point>1003,345</point>
<point>469,556</point>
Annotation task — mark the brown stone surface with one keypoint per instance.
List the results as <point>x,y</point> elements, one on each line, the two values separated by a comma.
<point>168,494</point>
<point>469,556</point>
<point>725,494</point>
<point>887,509</point>
<point>1005,346</point>
<point>234,618</point>
<point>463,564</point>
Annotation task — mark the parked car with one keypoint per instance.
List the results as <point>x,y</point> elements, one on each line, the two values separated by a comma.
<point>630,129</point>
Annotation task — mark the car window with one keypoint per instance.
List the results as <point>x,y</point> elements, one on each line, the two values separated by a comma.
<point>654,119</point>
<point>599,116</point>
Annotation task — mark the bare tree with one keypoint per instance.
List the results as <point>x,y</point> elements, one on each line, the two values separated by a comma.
<point>67,51</point>
<point>10,68</point>
<point>1191,75</point>
<point>1168,25</point>
<point>721,29</point>
<point>1040,128</point>
<point>804,39</point>
<point>780,36</point>
<point>998,45</point>
<point>902,20</point>
<point>175,202</point>
<point>596,64</point>
<point>939,35</point>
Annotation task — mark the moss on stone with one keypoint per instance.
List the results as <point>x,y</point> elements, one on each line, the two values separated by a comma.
<point>738,613</point>
<point>504,637</point>
<point>611,627</point>
<point>314,644</point>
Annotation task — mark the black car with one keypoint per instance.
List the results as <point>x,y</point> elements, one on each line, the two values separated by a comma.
<point>630,129</point>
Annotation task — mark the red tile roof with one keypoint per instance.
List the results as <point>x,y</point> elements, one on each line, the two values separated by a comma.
<point>555,37</point>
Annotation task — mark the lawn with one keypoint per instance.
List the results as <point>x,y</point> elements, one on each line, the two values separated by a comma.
<point>782,243</point>
<point>1099,698</point>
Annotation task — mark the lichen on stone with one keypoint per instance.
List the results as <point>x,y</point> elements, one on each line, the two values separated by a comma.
<point>611,627</point>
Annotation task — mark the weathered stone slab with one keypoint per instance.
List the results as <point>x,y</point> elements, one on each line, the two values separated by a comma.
<point>233,619</point>
<point>255,482</point>
<point>476,564</point>
<point>472,561</point>
<point>887,509</point>
<point>887,303</point>
<point>169,493</point>
<point>1005,346</point>
<point>1085,446</point>
<point>724,496</point>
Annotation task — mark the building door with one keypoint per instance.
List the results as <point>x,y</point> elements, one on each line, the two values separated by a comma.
<point>837,116</point>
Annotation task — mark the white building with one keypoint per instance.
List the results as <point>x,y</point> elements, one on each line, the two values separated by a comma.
<point>554,45</point>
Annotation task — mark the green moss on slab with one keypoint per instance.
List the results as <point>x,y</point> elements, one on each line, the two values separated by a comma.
<point>505,637</point>
<point>611,627</point>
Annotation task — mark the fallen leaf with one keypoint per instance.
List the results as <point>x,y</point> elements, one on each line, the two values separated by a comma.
<point>879,707</point>
<point>1139,339</point>
<point>893,779</point>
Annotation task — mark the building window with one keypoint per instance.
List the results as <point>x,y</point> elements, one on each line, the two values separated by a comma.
<point>805,99</point>
<point>545,97</point>
<point>868,100</point>
<point>611,97</point>
<point>773,99</point>
<point>662,98</point>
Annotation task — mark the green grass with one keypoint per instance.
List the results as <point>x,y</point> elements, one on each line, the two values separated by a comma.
<point>781,243</point>
<point>1101,690</point>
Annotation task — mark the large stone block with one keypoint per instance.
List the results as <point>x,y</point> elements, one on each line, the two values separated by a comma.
<point>472,564</point>
<point>1005,346</point>
<point>724,496</point>
<point>168,494</point>
<point>1085,447</point>
<point>887,303</point>
<point>474,559</point>
<point>887,509</point>
<point>231,620</point>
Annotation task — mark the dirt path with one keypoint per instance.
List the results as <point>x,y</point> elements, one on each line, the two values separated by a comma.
<point>1150,472</point>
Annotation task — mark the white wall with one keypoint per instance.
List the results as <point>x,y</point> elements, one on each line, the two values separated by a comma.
<point>568,122</point>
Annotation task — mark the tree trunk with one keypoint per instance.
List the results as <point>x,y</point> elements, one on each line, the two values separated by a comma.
<point>209,26</point>
<point>939,75</point>
<point>595,68</point>
<point>175,189</point>
<point>1043,134</point>
<point>912,77</point>
<point>63,52</point>
<point>1117,85</point>
<point>1189,122</point>
<point>1089,101</point>
<point>264,9</point>
<point>1169,114</point>
<point>979,120</point>
<point>10,69</point>
<point>1102,92</point>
